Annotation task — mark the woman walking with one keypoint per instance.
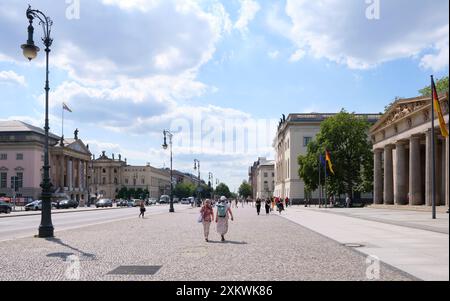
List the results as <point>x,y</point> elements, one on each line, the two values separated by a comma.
<point>142,210</point>
<point>258,206</point>
<point>268,206</point>
<point>223,215</point>
<point>207,213</point>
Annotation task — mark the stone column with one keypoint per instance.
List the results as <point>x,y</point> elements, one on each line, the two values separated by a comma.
<point>62,167</point>
<point>415,174</point>
<point>400,192</point>
<point>388,176</point>
<point>378,178</point>
<point>69,174</point>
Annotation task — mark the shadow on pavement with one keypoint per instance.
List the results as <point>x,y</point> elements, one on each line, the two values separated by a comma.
<point>64,255</point>
<point>228,242</point>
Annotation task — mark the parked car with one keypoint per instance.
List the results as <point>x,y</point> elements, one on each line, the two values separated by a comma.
<point>164,199</point>
<point>103,203</point>
<point>122,203</point>
<point>66,204</point>
<point>131,203</point>
<point>34,206</point>
<point>185,202</point>
<point>5,208</point>
<point>152,201</point>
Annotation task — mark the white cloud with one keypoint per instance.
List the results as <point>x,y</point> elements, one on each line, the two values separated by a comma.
<point>247,12</point>
<point>297,55</point>
<point>12,77</point>
<point>340,32</point>
<point>273,54</point>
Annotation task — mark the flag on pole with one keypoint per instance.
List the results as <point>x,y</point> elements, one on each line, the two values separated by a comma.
<point>65,107</point>
<point>322,161</point>
<point>328,159</point>
<point>438,109</point>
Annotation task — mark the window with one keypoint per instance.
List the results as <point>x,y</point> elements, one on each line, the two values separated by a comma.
<point>20,180</point>
<point>306,141</point>
<point>266,175</point>
<point>115,170</point>
<point>273,174</point>
<point>104,170</point>
<point>104,181</point>
<point>19,157</point>
<point>115,181</point>
<point>143,181</point>
<point>3,180</point>
<point>126,181</point>
<point>3,156</point>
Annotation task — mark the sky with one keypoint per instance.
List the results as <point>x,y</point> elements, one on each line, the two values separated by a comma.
<point>217,74</point>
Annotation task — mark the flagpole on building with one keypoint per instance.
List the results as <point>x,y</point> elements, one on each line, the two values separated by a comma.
<point>62,125</point>
<point>326,197</point>
<point>433,151</point>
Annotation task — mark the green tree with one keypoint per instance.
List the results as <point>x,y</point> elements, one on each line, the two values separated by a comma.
<point>245,190</point>
<point>122,194</point>
<point>223,190</point>
<point>184,190</point>
<point>441,86</point>
<point>345,137</point>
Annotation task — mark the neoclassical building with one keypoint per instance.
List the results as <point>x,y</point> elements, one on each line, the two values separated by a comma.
<point>22,160</point>
<point>402,148</point>
<point>292,139</point>
<point>262,178</point>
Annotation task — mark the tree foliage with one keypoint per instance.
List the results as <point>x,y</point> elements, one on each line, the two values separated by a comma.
<point>223,190</point>
<point>184,190</point>
<point>125,193</point>
<point>245,190</point>
<point>345,137</point>
<point>441,86</point>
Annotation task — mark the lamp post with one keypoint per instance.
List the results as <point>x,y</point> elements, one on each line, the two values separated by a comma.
<point>197,167</point>
<point>30,51</point>
<point>165,146</point>
<point>211,181</point>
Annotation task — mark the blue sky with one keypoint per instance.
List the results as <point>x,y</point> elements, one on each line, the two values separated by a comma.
<point>129,69</point>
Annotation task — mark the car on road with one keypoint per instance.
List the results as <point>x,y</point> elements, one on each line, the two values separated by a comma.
<point>164,199</point>
<point>66,204</point>
<point>152,201</point>
<point>122,203</point>
<point>5,208</point>
<point>34,206</point>
<point>103,203</point>
<point>185,201</point>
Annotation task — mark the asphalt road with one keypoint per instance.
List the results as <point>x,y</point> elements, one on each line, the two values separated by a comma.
<point>27,226</point>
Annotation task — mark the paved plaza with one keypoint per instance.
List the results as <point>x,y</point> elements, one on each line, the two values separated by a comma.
<point>260,248</point>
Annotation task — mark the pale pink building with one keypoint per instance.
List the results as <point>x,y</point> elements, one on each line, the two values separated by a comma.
<point>22,159</point>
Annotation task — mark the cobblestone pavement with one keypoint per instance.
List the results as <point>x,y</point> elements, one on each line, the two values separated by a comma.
<point>260,248</point>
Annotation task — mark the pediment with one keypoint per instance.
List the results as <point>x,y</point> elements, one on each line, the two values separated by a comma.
<point>79,146</point>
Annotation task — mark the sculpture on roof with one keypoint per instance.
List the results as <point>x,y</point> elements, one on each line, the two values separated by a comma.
<point>76,134</point>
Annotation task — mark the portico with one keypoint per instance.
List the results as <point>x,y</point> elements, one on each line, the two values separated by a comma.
<point>403,155</point>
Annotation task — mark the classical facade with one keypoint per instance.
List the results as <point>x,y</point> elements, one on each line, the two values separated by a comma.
<point>262,178</point>
<point>22,160</point>
<point>402,148</point>
<point>292,139</point>
<point>109,174</point>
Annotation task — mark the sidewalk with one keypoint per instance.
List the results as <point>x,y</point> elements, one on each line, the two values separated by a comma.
<point>409,241</point>
<point>171,247</point>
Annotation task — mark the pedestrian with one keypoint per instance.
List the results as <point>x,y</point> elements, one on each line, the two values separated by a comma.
<point>237,203</point>
<point>207,213</point>
<point>268,206</point>
<point>142,210</point>
<point>273,203</point>
<point>258,206</point>
<point>348,201</point>
<point>287,202</point>
<point>280,205</point>
<point>223,215</point>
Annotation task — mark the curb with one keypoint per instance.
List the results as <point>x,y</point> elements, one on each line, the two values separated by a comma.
<point>59,212</point>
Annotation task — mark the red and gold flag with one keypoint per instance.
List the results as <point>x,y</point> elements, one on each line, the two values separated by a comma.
<point>328,159</point>
<point>438,109</point>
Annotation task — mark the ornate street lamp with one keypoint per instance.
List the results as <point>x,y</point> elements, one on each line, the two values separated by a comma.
<point>211,181</point>
<point>197,167</point>
<point>30,51</point>
<point>165,147</point>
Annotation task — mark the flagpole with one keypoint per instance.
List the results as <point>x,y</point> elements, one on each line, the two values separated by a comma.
<point>320,181</point>
<point>326,197</point>
<point>433,150</point>
<point>62,126</point>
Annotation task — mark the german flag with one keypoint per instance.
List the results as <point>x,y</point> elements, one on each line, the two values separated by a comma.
<point>438,109</point>
<point>328,159</point>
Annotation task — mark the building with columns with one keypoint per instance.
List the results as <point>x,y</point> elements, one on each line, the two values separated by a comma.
<point>108,175</point>
<point>402,148</point>
<point>262,178</point>
<point>292,139</point>
<point>22,160</point>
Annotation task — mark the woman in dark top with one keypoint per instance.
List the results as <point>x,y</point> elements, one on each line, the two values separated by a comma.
<point>258,206</point>
<point>268,203</point>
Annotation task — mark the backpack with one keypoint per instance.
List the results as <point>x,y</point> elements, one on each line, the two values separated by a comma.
<point>221,210</point>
